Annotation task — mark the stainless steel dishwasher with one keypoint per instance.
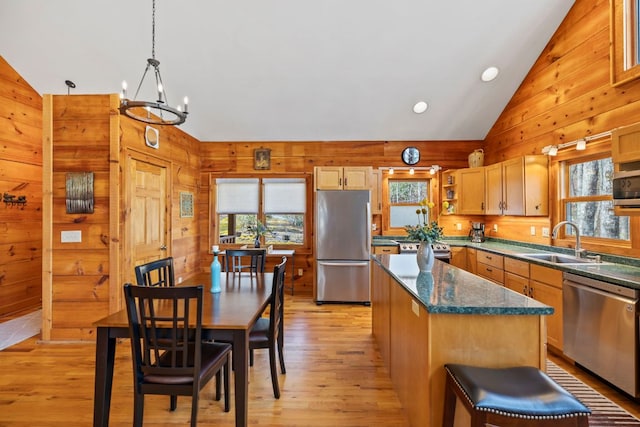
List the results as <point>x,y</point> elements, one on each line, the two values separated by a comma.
<point>600,329</point>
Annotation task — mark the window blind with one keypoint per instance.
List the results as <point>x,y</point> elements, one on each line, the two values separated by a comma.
<point>237,195</point>
<point>284,195</point>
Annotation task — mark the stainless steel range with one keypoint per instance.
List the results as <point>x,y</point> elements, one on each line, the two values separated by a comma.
<point>441,251</point>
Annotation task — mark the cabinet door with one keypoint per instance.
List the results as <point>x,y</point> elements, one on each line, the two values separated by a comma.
<point>471,191</point>
<point>493,183</point>
<point>536,185</point>
<point>356,178</point>
<point>376,191</point>
<point>513,187</point>
<point>329,178</point>
<point>625,144</point>
<point>551,296</point>
<point>516,283</point>
<point>472,260</point>
<point>386,250</point>
<point>459,257</point>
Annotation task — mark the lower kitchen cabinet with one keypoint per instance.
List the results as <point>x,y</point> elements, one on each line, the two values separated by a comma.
<point>490,266</point>
<point>459,257</point>
<point>472,260</point>
<point>386,249</point>
<point>546,286</point>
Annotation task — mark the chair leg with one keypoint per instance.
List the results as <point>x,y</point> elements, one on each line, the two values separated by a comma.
<point>274,371</point>
<point>227,375</point>
<point>281,354</point>
<point>449,414</point>
<point>218,384</point>
<point>138,409</point>
<point>194,408</point>
<point>174,402</point>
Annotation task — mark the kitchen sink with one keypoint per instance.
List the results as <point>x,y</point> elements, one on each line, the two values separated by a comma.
<point>560,259</point>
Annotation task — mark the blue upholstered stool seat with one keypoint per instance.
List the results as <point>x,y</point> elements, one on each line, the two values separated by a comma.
<point>521,392</point>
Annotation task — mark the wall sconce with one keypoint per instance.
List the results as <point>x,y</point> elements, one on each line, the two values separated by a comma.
<point>411,171</point>
<point>390,171</point>
<point>12,200</point>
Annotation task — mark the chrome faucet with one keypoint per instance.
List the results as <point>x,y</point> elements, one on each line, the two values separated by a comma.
<point>554,234</point>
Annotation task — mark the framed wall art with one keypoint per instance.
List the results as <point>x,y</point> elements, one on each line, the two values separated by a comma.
<point>186,205</point>
<point>79,192</point>
<point>262,159</point>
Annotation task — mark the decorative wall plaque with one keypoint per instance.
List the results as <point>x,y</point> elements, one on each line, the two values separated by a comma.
<point>186,205</point>
<point>79,192</point>
<point>262,159</point>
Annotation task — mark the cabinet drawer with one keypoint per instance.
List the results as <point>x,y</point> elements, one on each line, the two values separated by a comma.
<point>516,266</point>
<point>490,272</point>
<point>546,275</point>
<point>386,250</point>
<point>491,259</point>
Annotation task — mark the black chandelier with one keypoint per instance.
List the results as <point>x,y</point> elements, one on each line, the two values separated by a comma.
<point>153,112</point>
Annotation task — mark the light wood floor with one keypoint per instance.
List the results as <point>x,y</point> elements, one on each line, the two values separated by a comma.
<point>335,377</point>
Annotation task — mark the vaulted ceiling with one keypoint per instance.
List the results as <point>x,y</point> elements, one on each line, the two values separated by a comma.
<point>277,70</point>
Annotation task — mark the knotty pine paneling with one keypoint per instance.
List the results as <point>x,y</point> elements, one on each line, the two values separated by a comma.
<point>566,95</point>
<point>20,174</point>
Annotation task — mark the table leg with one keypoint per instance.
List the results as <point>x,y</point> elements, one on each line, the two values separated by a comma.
<point>105,357</point>
<point>241,372</point>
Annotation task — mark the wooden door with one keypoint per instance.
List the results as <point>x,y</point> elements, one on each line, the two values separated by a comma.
<point>149,223</point>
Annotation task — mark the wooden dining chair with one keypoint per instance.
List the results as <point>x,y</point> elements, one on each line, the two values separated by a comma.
<point>155,273</point>
<point>234,257</point>
<point>267,331</point>
<point>169,356</point>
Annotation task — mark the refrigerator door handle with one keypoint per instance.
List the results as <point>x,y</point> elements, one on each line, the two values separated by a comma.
<point>368,224</point>
<point>344,264</point>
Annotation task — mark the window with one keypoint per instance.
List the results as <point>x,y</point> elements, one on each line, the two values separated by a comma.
<point>625,46</point>
<point>278,203</point>
<point>587,200</point>
<point>404,198</point>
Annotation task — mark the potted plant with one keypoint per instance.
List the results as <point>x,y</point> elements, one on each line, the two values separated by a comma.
<point>259,230</point>
<point>426,233</point>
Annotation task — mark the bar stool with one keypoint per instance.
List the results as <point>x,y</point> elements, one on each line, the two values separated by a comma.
<point>517,396</point>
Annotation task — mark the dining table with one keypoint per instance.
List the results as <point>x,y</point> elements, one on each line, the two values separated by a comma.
<point>227,315</point>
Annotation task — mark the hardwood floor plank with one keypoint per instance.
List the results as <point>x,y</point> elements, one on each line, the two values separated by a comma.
<point>335,377</point>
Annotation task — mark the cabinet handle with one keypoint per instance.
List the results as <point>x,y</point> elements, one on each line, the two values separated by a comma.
<point>489,270</point>
<point>340,182</point>
<point>531,292</point>
<point>525,291</point>
<point>386,250</point>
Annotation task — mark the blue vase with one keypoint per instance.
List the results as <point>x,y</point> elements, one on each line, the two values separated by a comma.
<point>216,268</point>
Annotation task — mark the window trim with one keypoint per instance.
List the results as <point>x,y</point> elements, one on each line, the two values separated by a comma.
<point>214,235</point>
<point>563,199</point>
<point>623,17</point>
<point>433,195</point>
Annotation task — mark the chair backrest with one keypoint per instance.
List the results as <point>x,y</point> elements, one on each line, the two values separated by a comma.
<point>233,259</point>
<point>276,310</point>
<point>165,325</point>
<point>157,273</point>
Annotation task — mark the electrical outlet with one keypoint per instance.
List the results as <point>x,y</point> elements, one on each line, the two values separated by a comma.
<point>533,230</point>
<point>179,279</point>
<point>415,308</point>
<point>299,272</point>
<point>495,228</point>
<point>458,226</point>
<point>545,231</point>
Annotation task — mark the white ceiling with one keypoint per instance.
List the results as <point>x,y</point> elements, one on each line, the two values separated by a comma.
<point>277,70</point>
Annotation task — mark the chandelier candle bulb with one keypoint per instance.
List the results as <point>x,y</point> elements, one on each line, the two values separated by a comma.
<point>186,104</point>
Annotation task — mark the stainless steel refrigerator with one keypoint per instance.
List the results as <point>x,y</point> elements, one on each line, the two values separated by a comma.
<point>343,246</point>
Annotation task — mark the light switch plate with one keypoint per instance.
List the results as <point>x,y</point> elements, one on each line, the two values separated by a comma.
<point>533,230</point>
<point>545,231</point>
<point>74,236</point>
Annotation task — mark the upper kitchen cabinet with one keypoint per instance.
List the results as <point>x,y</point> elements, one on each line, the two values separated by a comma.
<point>343,178</point>
<point>518,186</point>
<point>625,154</point>
<point>471,188</point>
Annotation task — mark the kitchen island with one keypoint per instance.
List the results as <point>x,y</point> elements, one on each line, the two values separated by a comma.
<point>422,321</point>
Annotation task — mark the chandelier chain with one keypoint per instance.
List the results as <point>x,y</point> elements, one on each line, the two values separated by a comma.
<point>153,31</point>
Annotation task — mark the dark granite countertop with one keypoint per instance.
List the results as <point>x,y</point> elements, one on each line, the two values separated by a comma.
<point>449,289</point>
<point>623,271</point>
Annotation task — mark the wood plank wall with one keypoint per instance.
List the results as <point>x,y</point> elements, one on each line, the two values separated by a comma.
<point>20,174</point>
<point>300,157</point>
<point>567,95</point>
<point>86,278</point>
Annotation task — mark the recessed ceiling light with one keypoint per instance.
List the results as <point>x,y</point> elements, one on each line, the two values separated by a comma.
<point>489,74</point>
<point>420,107</point>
